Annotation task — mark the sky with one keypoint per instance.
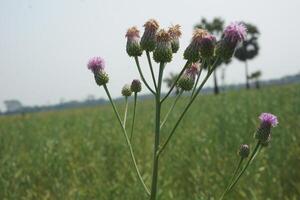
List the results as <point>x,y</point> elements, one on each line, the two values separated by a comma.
<point>45,44</point>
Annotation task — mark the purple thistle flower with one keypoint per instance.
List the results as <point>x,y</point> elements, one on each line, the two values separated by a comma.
<point>96,64</point>
<point>235,32</point>
<point>193,70</point>
<point>268,118</point>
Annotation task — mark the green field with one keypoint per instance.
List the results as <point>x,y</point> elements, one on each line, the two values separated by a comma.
<point>82,154</point>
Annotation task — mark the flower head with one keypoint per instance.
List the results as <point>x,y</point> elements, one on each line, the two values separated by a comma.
<point>175,34</point>
<point>133,47</point>
<point>126,90</point>
<point>151,24</point>
<point>148,40</point>
<point>175,31</point>
<point>235,32</point>
<point>136,86</point>
<point>268,118</point>
<point>96,64</point>
<point>132,33</point>
<point>244,150</point>
<point>207,46</point>
<point>193,69</point>
<point>263,133</point>
<point>163,51</point>
<point>192,52</point>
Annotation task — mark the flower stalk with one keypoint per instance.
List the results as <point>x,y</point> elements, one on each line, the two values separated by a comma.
<point>133,117</point>
<point>127,141</point>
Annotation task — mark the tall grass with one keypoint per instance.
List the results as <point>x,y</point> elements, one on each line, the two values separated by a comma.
<point>81,153</point>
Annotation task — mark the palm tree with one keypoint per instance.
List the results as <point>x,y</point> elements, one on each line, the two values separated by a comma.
<point>248,49</point>
<point>215,27</point>
<point>255,76</point>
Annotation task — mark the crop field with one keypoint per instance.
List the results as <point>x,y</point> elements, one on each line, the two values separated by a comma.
<point>82,154</point>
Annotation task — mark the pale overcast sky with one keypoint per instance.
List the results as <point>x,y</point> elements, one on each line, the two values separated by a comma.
<point>45,44</point>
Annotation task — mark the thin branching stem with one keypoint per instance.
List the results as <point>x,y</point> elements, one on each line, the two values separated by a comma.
<point>233,176</point>
<point>157,134</point>
<point>175,82</point>
<point>198,78</point>
<point>142,76</point>
<point>151,69</point>
<point>187,107</point>
<point>243,170</point>
<point>125,112</point>
<point>171,108</point>
<point>133,117</point>
<point>127,140</point>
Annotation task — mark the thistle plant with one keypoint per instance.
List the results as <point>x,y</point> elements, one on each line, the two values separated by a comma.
<point>203,51</point>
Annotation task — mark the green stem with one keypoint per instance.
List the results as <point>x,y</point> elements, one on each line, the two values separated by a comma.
<point>127,140</point>
<point>171,109</point>
<point>243,170</point>
<point>187,107</point>
<point>196,84</point>
<point>233,176</point>
<point>125,112</point>
<point>141,74</point>
<point>157,132</point>
<point>151,69</point>
<point>174,84</point>
<point>133,118</point>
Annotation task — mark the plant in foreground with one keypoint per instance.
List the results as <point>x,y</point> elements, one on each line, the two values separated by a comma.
<point>203,50</point>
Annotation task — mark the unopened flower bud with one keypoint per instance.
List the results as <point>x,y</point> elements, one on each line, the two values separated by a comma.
<point>233,34</point>
<point>186,82</point>
<point>136,86</point>
<point>207,46</point>
<point>244,151</point>
<point>133,47</point>
<point>101,77</point>
<point>192,52</point>
<point>126,90</point>
<point>163,50</point>
<point>148,41</point>
<point>175,34</point>
<point>268,120</point>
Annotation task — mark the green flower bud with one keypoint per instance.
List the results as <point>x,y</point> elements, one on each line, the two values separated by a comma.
<point>148,41</point>
<point>175,34</point>
<point>133,47</point>
<point>136,86</point>
<point>244,151</point>
<point>126,90</point>
<point>101,77</point>
<point>186,82</point>
<point>192,52</point>
<point>263,132</point>
<point>225,49</point>
<point>163,51</point>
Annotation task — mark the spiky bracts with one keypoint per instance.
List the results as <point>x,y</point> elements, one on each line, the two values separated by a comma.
<point>163,51</point>
<point>133,47</point>
<point>175,34</point>
<point>192,52</point>
<point>148,40</point>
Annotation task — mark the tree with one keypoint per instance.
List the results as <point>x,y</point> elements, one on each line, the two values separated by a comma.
<point>215,27</point>
<point>255,76</point>
<point>248,49</point>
